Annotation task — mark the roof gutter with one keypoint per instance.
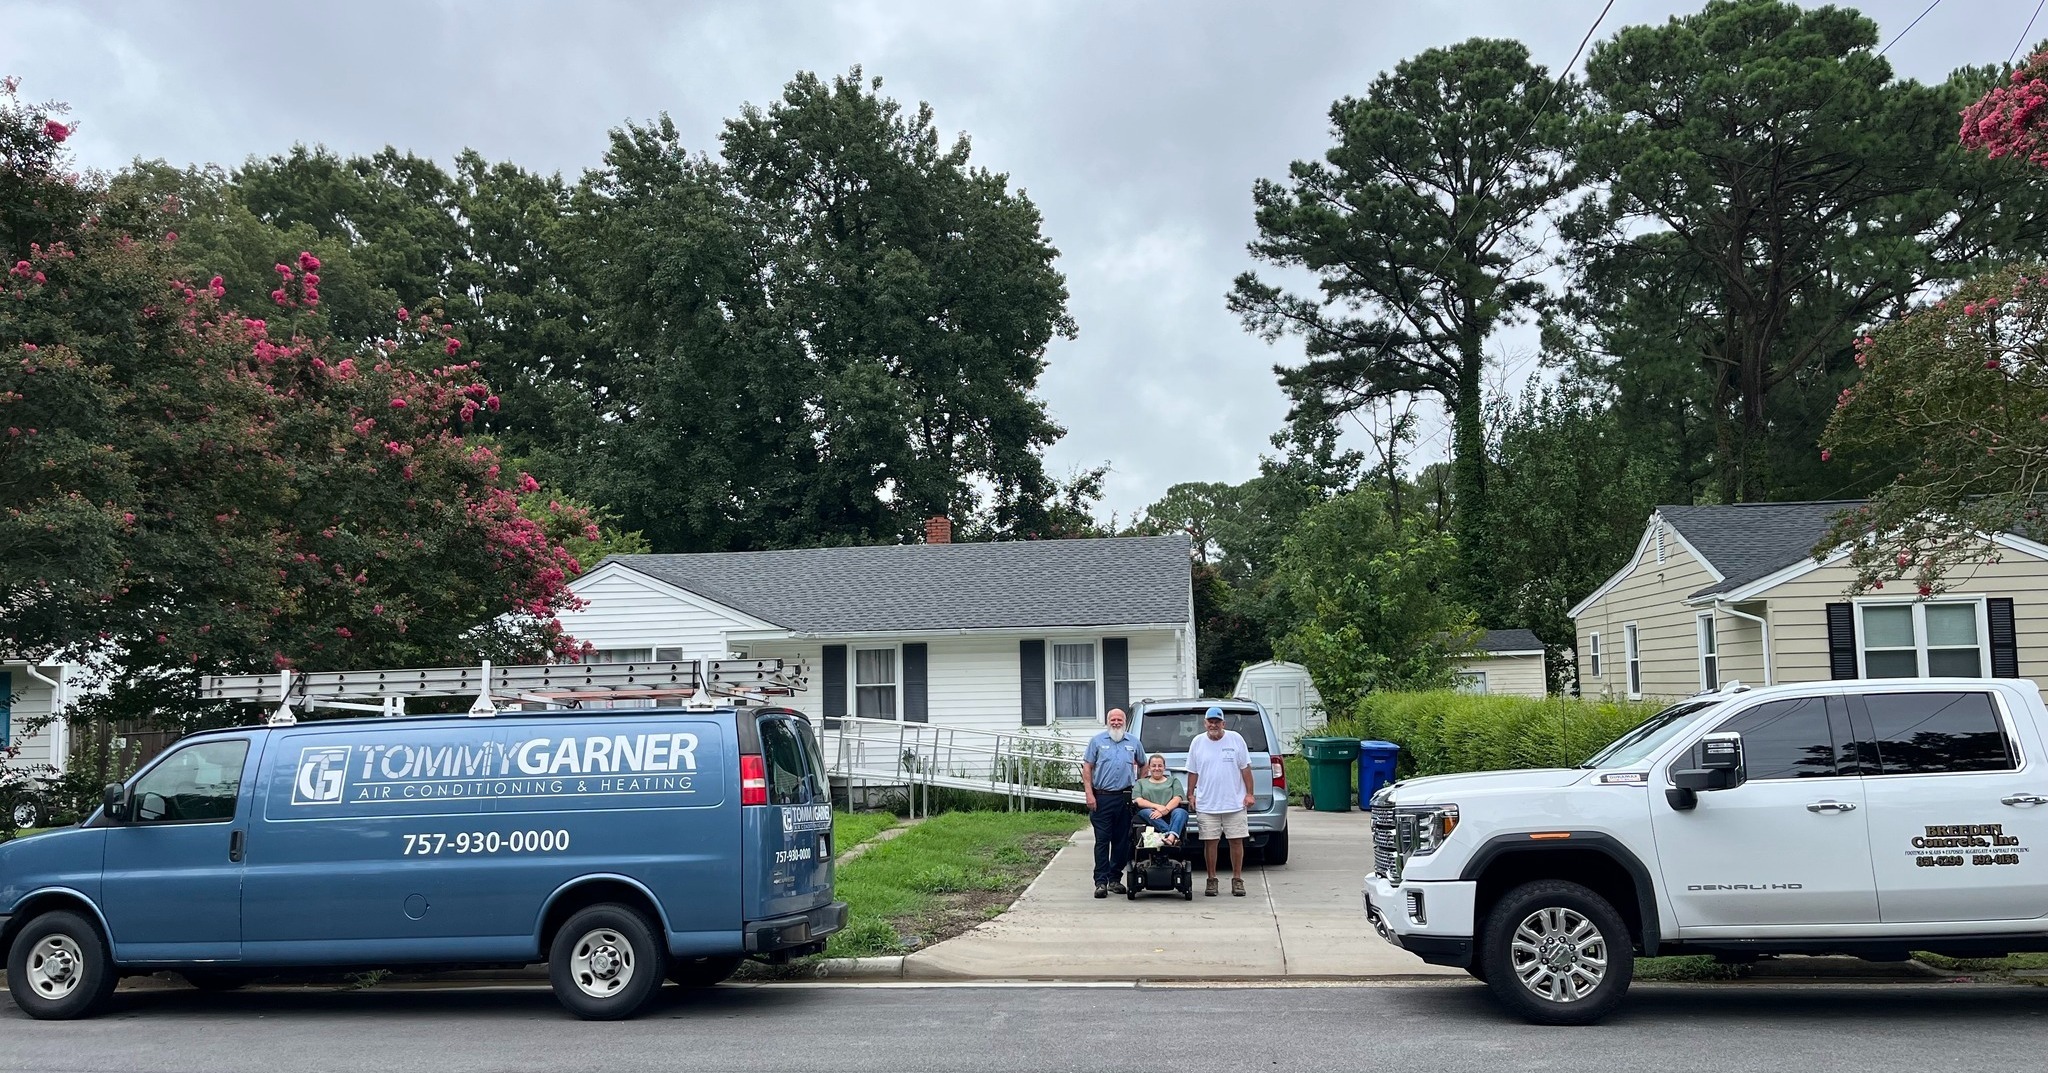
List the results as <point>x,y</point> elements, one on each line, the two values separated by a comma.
<point>58,701</point>
<point>1721,605</point>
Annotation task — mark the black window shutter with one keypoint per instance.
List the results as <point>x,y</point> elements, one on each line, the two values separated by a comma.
<point>916,698</point>
<point>835,684</point>
<point>1116,673</point>
<point>1841,641</point>
<point>1031,682</point>
<point>2005,638</point>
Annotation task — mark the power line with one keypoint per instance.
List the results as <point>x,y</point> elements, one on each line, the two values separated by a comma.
<point>1909,28</point>
<point>2021,43</point>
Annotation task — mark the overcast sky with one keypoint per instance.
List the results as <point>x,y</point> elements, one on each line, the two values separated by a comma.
<point>1137,127</point>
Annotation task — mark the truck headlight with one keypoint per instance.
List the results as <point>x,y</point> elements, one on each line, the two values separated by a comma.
<point>1425,827</point>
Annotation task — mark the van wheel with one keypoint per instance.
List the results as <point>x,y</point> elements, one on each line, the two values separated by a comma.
<point>605,963</point>
<point>702,972</point>
<point>1556,953</point>
<point>1276,848</point>
<point>58,968</point>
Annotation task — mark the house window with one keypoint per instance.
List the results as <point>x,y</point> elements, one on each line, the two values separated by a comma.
<point>1593,657</point>
<point>1471,682</point>
<point>1073,681</point>
<point>1710,654</point>
<point>874,683</point>
<point>668,655</point>
<point>620,655</point>
<point>1632,652</point>
<point>1922,639</point>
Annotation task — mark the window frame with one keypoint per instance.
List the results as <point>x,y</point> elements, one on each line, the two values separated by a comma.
<point>1461,677</point>
<point>133,795</point>
<point>1709,642</point>
<point>1921,649</point>
<point>1632,652</point>
<point>1097,713</point>
<point>1593,656</point>
<point>1834,712</point>
<point>591,657</point>
<point>854,685</point>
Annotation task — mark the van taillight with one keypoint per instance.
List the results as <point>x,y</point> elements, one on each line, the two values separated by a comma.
<point>1279,774</point>
<point>753,780</point>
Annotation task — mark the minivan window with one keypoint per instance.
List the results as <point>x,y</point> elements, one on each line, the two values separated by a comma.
<point>1171,731</point>
<point>789,770</point>
<point>1930,733</point>
<point>1783,739</point>
<point>196,784</point>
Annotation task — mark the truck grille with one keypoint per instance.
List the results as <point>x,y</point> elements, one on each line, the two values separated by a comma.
<point>1383,840</point>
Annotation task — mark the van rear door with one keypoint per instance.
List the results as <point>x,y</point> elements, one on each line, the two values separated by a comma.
<point>789,835</point>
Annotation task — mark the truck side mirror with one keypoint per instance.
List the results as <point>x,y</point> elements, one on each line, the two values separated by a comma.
<point>1720,769</point>
<point>115,799</point>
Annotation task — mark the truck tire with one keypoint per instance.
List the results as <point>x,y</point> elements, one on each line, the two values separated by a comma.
<point>58,968</point>
<point>1556,953</point>
<point>702,972</point>
<point>605,963</point>
<point>1276,848</point>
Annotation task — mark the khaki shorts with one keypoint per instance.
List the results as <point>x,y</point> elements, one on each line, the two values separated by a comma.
<point>1217,825</point>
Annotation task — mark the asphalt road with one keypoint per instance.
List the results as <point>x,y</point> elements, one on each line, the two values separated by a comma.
<point>848,1029</point>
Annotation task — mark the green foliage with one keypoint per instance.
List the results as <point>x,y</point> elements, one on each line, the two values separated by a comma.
<point>1370,595</point>
<point>1441,732</point>
<point>850,829</point>
<point>1962,386</point>
<point>907,891</point>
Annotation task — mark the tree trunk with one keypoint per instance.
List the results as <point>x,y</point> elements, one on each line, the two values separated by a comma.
<point>1468,480</point>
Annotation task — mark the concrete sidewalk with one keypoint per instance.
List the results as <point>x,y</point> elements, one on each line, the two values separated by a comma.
<point>1302,919</point>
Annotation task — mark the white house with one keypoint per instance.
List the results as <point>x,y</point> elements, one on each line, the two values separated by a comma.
<point>1508,662</point>
<point>993,636</point>
<point>29,692</point>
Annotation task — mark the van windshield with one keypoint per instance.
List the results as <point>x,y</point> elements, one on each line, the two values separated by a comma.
<point>1171,731</point>
<point>1644,741</point>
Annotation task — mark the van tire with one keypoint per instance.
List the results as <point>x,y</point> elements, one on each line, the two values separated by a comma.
<point>605,963</point>
<point>1276,848</point>
<point>1596,944</point>
<point>702,972</point>
<point>55,949</point>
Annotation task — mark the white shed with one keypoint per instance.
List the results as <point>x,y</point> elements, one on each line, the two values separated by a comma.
<point>1288,693</point>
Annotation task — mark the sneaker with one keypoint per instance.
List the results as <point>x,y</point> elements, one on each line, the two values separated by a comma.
<point>1210,890</point>
<point>1237,888</point>
<point>1117,887</point>
<point>1101,890</point>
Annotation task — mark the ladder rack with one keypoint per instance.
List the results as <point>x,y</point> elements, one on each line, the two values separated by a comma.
<point>703,682</point>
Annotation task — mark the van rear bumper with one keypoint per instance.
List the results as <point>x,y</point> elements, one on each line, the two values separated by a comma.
<point>795,932</point>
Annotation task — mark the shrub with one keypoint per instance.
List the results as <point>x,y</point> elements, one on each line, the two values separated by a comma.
<point>1444,732</point>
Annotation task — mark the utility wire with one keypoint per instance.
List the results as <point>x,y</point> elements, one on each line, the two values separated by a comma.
<point>1909,28</point>
<point>2022,42</point>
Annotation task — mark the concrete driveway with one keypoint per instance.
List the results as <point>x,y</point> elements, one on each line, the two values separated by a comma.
<point>1302,919</point>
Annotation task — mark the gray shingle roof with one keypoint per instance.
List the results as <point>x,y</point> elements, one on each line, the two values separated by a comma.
<point>1510,641</point>
<point>1113,581</point>
<point>1747,541</point>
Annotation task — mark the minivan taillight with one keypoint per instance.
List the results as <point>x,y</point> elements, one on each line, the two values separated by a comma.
<point>1279,774</point>
<point>753,780</point>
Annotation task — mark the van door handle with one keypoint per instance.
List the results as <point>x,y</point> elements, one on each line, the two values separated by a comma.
<point>235,847</point>
<point>1831,806</point>
<point>2024,799</point>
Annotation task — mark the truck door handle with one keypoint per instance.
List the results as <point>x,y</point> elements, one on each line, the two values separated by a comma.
<point>1831,806</point>
<point>235,847</point>
<point>2025,799</point>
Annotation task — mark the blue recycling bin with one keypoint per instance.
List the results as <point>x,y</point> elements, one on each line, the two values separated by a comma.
<point>1375,768</point>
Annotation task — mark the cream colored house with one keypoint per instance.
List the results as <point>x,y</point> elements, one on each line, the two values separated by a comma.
<point>1509,663</point>
<point>1715,594</point>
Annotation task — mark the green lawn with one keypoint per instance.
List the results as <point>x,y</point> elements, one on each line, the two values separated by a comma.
<point>850,829</point>
<point>1987,966</point>
<point>943,876</point>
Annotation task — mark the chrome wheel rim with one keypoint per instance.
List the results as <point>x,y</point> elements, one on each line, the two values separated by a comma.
<point>602,963</point>
<point>56,967</point>
<point>24,815</point>
<point>1559,955</point>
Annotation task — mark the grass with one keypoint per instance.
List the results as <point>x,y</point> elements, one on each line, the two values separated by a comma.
<point>2006,964</point>
<point>850,829</point>
<point>1685,969</point>
<point>942,877</point>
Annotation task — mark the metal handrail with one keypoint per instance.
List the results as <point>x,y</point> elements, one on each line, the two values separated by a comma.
<point>925,756</point>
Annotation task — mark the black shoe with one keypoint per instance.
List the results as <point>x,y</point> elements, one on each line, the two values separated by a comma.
<point>1101,890</point>
<point>1116,887</point>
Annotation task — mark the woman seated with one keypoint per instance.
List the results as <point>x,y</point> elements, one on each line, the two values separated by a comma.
<point>1161,800</point>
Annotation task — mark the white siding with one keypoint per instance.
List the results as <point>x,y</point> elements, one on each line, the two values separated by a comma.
<point>31,704</point>
<point>626,610</point>
<point>1652,596</point>
<point>1513,676</point>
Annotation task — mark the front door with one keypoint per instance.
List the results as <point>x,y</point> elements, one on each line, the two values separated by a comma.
<point>1958,809</point>
<point>172,889</point>
<point>1788,846</point>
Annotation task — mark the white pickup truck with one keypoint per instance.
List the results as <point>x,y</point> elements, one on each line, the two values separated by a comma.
<point>1870,818</point>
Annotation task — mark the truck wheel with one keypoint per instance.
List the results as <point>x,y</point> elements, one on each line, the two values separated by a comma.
<point>58,968</point>
<point>605,964</point>
<point>702,972</point>
<point>1276,848</point>
<point>1556,953</point>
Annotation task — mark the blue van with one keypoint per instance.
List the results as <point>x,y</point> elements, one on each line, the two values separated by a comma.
<point>618,846</point>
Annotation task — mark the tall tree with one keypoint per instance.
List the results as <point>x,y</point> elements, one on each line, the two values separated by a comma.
<point>1421,225</point>
<point>1766,189</point>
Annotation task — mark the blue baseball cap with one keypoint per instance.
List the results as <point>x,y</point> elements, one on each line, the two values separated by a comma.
<point>1213,713</point>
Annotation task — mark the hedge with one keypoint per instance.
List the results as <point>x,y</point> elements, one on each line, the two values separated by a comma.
<point>1443,732</point>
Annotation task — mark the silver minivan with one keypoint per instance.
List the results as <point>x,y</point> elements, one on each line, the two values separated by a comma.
<point>1165,727</point>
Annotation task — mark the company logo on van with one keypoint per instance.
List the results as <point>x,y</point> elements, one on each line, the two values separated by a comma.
<point>323,775</point>
<point>806,818</point>
<point>597,764</point>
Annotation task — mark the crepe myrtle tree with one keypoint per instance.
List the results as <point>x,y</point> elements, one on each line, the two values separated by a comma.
<point>1960,385</point>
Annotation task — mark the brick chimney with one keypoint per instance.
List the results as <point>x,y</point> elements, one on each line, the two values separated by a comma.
<point>938,529</point>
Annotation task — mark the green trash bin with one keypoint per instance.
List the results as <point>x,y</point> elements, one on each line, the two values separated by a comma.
<point>1329,772</point>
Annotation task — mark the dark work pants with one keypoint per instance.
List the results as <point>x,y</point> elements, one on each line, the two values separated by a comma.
<point>1112,820</point>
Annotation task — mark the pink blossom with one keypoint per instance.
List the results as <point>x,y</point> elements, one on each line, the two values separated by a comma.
<point>216,286</point>
<point>1926,589</point>
<point>1904,560</point>
<point>527,483</point>
<point>308,262</point>
<point>398,404</point>
<point>55,131</point>
<point>127,518</point>
<point>453,346</point>
<point>284,271</point>
<point>1827,456</point>
<point>278,296</point>
<point>491,404</point>
<point>30,347</point>
<point>404,315</point>
<point>39,278</point>
<point>22,269</point>
<point>342,631</point>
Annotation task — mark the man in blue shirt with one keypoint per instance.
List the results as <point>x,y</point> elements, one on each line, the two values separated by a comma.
<point>1108,771</point>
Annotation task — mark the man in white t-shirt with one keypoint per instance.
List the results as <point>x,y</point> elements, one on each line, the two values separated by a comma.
<point>1220,782</point>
